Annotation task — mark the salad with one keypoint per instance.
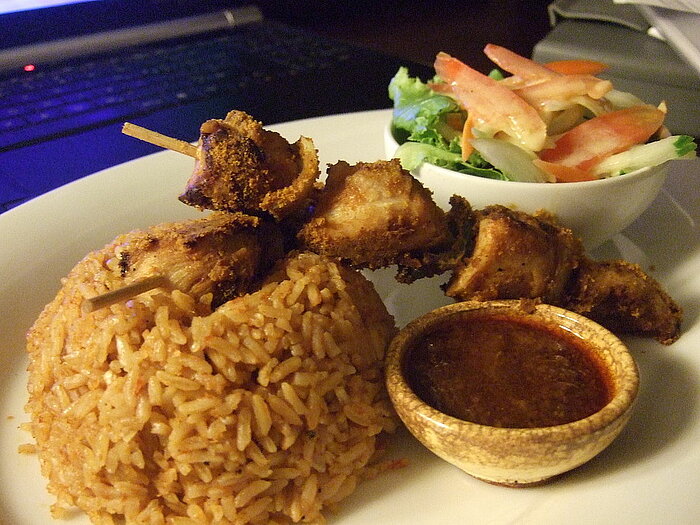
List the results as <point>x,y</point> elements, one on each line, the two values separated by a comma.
<point>528,122</point>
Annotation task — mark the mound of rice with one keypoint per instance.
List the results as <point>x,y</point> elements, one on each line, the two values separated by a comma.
<point>267,410</point>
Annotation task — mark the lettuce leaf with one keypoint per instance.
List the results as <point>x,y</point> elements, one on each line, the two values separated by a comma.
<point>419,112</point>
<point>419,126</point>
<point>413,154</point>
<point>685,146</point>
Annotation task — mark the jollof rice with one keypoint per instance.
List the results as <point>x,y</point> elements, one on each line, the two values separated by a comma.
<point>158,410</point>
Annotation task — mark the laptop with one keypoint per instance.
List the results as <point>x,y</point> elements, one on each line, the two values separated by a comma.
<point>71,72</point>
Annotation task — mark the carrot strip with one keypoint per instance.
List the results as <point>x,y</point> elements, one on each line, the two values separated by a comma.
<point>564,173</point>
<point>467,136</point>
<point>577,67</point>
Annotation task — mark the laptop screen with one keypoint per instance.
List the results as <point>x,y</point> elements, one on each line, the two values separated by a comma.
<point>26,22</point>
<point>15,6</point>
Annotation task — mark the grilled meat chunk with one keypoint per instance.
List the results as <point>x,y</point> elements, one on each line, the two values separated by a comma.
<point>623,298</point>
<point>240,166</point>
<point>371,214</point>
<point>223,254</point>
<point>516,255</point>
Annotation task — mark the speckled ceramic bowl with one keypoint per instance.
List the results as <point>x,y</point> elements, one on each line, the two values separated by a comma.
<point>594,210</point>
<point>516,456</point>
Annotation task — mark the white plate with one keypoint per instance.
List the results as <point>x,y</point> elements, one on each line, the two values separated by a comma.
<point>651,474</point>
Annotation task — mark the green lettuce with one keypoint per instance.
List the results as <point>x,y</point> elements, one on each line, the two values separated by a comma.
<point>412,154</point>
<point>419,112</point>
<point>419,125</point>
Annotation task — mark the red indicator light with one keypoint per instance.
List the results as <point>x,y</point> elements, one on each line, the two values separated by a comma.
<point>29,67</point>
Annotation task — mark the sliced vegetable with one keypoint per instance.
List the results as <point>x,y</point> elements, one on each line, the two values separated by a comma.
<point>564,89</point>
<point>518,65</point>
<point>515,163</point>
<point>622,99</point>
<point>563,173</point>
<point>652,154</point>
<point>495,108</point>
<point>598,138</point>
<point>467,136</point>
<point>577,67</point>
<point>564,120</point>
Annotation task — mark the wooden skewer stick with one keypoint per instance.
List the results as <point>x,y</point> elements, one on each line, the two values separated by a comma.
<point>122,294</point>
<point>159,139</point>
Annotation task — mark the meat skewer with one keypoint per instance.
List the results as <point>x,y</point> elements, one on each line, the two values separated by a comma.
<point>374,214</point>
<point>273,176</point>
<point>242,167</point>
<point>364,217</point>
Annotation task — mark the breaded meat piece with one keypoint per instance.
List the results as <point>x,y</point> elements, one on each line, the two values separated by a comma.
<point>461,222</point>
<point>224,254</point>
<point>623,298</point>
<point>370,214</point>
<point>516,255</point>
<point>240,166</point>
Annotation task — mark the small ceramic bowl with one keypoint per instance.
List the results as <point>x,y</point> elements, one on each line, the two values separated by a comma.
<point>515,456</point>
<point>594,210</point>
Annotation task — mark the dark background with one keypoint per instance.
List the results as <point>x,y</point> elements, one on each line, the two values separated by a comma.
<point>417,30</point>
<point>410,32</point>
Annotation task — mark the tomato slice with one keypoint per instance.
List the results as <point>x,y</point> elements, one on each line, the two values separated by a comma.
<point>494,108</point>
<point>596,139</point>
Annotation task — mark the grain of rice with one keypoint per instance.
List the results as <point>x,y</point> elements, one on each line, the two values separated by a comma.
<point>263,411</point>
<point>286,367</point>
<point>283,409</point>
<point>264,373</point>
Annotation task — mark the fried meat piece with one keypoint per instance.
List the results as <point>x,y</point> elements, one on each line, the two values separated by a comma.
<point>461,222</point>
<point>623,298</point>
<point>225,254</point>
<point>370,214</point>
<point>516,255</point>
<point>240,166</point>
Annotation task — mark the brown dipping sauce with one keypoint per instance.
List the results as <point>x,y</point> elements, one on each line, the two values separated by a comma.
<point>503,372</point>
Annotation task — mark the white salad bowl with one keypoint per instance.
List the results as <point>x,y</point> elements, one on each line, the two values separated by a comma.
<point>594,210</point>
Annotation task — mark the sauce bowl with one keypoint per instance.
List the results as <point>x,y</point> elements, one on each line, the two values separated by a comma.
<point>500,454</point>
<point>594,210</point>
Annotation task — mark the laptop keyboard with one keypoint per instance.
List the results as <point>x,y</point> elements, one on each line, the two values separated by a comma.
<point>72,97</point>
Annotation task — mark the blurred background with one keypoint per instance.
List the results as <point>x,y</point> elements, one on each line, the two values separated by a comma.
<point>417,30</point>
<point>276,68</point>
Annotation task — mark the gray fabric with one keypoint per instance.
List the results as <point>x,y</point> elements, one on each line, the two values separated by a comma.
<point>598,10</point>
